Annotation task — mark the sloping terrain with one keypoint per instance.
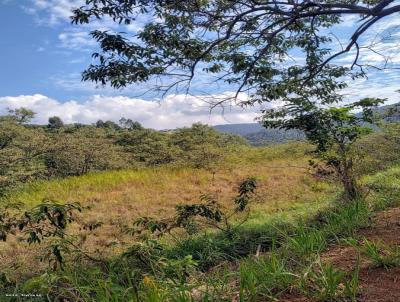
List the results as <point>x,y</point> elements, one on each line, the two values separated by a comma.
<point>257,135</point>
<point>114,199</point>
<point>376,282</point>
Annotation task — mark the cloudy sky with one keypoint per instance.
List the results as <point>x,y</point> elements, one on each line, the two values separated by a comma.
<point>42,56</point>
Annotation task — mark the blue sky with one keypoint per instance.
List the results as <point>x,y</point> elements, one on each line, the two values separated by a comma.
<point>32,57</point>
<point>42,56</point>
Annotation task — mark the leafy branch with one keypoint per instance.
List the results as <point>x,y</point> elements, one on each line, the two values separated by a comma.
<point>209,213</point>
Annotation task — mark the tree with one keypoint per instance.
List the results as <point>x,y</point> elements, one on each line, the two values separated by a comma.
<point>148,147</point>
<point>22,150</point>
<point>107,124</point>
<point>80,152</point>
<point>333,131</point>
<point>22,115</point>
<point>249,44</point>
<point>129,124</point>
<point>200,145</point>
<point>55,123</point>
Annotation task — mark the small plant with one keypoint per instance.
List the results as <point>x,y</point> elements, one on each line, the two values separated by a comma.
<point>178,270</point>
<point>323,282</point>
<point>351,286</point>
<point>151,292</point>
<point>382,255</point>
<point>209,213</point>
<point>265,277</point>
<point>43,222</point>
<point>344,221</point>
<point>306,241</point>
<point>248,284</point>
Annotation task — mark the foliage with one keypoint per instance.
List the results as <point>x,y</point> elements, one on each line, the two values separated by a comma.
<point>209,213</point>
<point>199,146</point>
<point>382,255</point>
<point>22,153</point>
<point>30,152</point>
<point>42,222</point>
<point>21,115</point>
<point>306,241</point>
<point>129,124</point>
<point>333,131</point>
<point>147,147</point>
<point>266,277</point>
<point>80,152</point>
<point>55,123</point>
<point>378,159</point>
<point>324,283</point>
<point>247,44</point>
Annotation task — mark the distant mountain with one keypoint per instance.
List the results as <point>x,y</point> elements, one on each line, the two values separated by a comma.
<point>390,113</point>
<point>257,135</point>
<point>240,129</point>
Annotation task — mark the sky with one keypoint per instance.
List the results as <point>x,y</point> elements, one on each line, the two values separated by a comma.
<point>42,56</point>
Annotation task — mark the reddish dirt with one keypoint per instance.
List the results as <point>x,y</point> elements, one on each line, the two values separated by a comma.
<point>376,284</point>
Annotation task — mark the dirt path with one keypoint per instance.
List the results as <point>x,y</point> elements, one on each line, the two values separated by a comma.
<point>376,284</point>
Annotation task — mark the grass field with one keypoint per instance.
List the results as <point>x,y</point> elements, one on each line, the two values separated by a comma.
<point>281,253</point>
<point>116,198</point>
<point>281,173</point>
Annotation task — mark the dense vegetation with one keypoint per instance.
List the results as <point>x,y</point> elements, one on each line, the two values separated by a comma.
<point>30,152</point>
<point>113,251</point>
<point>116,212</point>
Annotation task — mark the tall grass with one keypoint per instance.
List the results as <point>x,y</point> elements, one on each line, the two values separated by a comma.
<point>116,198</point>
<point>216,267</point>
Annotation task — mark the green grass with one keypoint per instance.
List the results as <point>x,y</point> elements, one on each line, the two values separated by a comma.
<point>382,255</point>
<point>117,198</point>
<point>291,233</point>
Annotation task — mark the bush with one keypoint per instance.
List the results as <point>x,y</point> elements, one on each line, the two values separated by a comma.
<point>80,153</point>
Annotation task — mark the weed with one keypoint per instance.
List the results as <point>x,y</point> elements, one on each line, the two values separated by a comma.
<point>344,221</point>
<point>265,277</point>
<point>306,241</point>
<point>380,254</point>
<point>323,282</point>
<point>352,286</point>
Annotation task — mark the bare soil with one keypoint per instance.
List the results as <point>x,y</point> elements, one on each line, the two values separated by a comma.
<point>377,284</point>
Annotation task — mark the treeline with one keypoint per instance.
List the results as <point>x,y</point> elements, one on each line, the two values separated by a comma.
<point>29,152</point>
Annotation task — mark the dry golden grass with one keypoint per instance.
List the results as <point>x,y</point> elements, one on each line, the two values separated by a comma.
<point>116,198</point>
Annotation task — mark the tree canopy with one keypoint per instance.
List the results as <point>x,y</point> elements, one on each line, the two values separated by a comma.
<point>248,44</point>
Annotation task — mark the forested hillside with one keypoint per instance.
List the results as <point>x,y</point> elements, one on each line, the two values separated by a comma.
<point>33,152</point>
<point>258,135</point>
<point>187,211</point>
<point>303,206</point>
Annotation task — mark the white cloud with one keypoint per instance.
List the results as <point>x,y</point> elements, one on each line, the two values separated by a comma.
<point>59,12</point>
<point>382,84</point>
<point>76,40</point>
<point>173,111</point>
<point>55,11</point>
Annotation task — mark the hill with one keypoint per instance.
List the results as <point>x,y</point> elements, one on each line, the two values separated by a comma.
<point>117,198</point>
<point>257,135</point>
<point>280,250</point>
<point>390,112</point>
